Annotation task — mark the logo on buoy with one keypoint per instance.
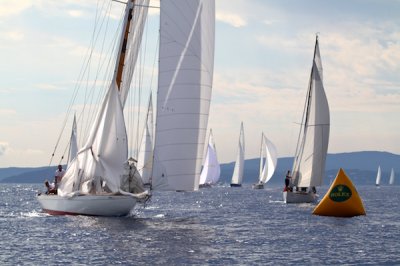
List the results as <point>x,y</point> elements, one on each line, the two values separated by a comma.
<point>340,193</point>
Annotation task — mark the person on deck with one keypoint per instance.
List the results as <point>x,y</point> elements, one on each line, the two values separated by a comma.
<point>60,172</point>
<point>288,181</point>
<point>51,188</point>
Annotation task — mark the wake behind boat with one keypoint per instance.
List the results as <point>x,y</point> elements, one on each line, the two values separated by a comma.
<point>312,144</point>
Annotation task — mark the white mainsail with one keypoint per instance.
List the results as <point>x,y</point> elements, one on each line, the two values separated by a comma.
<point>312,147</point>
<point>268,159</point>
<point>237,176</point>
<point>186,63</point>
<point>378,176</point>
<point>211,169</point>
<point>391,179</point>
<point>73,143</point>
<point>145,156</point>
<point>101,163</point>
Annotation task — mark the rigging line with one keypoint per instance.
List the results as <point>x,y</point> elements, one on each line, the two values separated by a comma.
<point>74,95</point>
<point>101,63</point>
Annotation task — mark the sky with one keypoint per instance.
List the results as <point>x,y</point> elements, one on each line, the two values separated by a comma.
<point>263,56</point>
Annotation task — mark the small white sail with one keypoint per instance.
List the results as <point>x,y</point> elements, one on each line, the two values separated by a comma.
<point>237,176</point>
<point>268,159</point>
<point>378,176</point>
<point>391,179</point>
<point>211,169</point>
<point>145,156</point>
<point>73,143</point>
<point>186,64</point>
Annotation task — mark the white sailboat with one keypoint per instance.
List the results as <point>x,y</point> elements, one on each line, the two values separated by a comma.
<point>237,176</point>
<point>145,156</point>
<point>211,169</point>
<point>186,64</point>
<point>268,161</point>
<point>391,179</point>
<point>312,146</point>
<point>73,143</point>
<point>378,177</point>
<point>100,180</point>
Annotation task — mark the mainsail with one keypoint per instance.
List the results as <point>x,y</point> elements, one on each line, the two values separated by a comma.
<point>268,159</point>
<point>73,143</point>
<point>186,63</point>
<point>391,179</point>
<point>312,147</point>
<point>237,176</point>
<point>211,169</point>
<point>378,176</point>
<point>101,163</point>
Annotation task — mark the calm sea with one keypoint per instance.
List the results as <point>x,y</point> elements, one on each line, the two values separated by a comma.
<point>217,226</point>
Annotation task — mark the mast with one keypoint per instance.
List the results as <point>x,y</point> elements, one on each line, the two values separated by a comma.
<point>123,43</point>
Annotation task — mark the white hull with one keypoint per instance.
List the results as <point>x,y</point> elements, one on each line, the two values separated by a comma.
<point>258,186</point>
<point>95,205</point>
<point>299,197</point>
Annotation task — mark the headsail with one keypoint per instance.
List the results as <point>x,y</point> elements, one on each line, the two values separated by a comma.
<point>145,157</point>
<point>211,169</point>
<point>268,159</point>
<point>237,176</point>
<point>312,147</point>
<point>184,92</point>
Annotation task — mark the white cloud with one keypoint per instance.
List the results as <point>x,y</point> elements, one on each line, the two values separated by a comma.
<point>11,8</point>
<point>234,20</point>
<point>7,112</point>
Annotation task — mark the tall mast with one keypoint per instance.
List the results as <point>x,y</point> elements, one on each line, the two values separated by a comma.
<point>124,40</point>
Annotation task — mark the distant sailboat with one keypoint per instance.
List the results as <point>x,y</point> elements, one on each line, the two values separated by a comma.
<point>237,176</point>
<point>391,179</point>
<point>312,146</point>
<point>145,156</point>
<point>268,161</point>
<point>73,143</point>
<point>211,169</point>
<point>378,177</point>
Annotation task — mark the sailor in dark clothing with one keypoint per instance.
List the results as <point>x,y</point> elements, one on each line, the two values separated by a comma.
<point>287,181</point>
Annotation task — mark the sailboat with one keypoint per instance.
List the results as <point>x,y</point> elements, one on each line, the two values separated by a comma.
<point>378,177</point>
<point>101,181</point>
<point>312,144</point>
<point>73,143</point>
<point>237,176</point>
<point>211,169</point>
<point>145,156</point>
<point>268,161</point>
<point>391,179</point>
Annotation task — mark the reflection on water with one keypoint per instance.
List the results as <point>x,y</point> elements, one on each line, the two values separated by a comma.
<point>221,226</point>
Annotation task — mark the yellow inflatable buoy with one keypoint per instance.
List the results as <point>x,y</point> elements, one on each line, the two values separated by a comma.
<point>341,200</point>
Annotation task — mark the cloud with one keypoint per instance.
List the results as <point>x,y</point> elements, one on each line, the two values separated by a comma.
<point>7,112</point>
<point>11,8</point>
<point>3,148</point>
<point>232,19</point>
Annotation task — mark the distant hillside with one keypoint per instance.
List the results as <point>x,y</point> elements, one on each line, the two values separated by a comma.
<point>360,166</point>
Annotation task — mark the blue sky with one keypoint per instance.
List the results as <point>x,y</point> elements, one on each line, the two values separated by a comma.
<point>263,57</point>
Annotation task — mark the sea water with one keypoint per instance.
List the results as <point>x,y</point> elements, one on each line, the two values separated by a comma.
<point>213,226</point>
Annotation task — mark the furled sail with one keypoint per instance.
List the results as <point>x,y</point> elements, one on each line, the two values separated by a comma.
<point>268,159</point>
<point>309,163</point>
<point>211,169</point>
<point>237,176</point>
<point>145,156</point>
<point>186,63</point>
